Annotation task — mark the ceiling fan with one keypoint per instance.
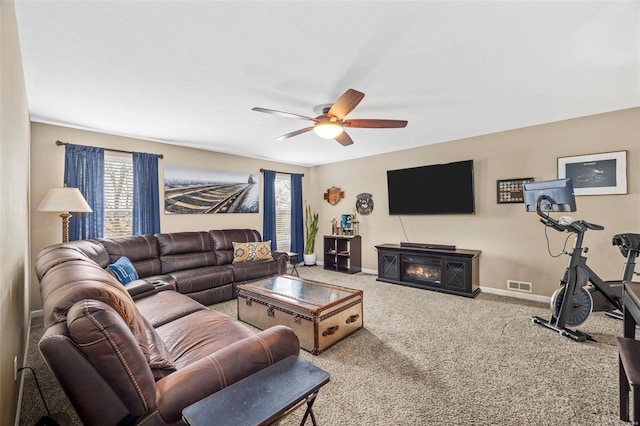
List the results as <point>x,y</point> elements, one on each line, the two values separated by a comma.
<point>331,123</point>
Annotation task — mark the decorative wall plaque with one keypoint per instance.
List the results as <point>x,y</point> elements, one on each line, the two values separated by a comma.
<point>333,195</point>
<point>510,190</point>
<point>364,203</point>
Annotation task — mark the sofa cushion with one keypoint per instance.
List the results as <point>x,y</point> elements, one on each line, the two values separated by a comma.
<point>123,270</point>
<point>74,250</point>
<point>67,283</point>
<point>208,330</point>
<point>215,295</point>
<point>198,279</point>
<point>223,242</point>
<point>185,250</point>
<point>104,338</point>
<point>166,306</point>
<point>142,250</point>
<point>250,252</point>
<point>253,270</point>
<point>184,242</point>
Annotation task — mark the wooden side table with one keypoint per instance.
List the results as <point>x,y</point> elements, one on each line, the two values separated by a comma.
<point>262,398</point>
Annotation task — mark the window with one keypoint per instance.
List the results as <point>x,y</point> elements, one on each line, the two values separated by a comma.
<point>283,212</point>
<point>118,196</point>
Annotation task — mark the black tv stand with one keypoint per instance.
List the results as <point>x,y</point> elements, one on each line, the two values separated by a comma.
<point>449,271</point>
<point>427,246</point>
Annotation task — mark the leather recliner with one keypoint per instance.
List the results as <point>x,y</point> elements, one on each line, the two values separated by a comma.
<point>122,361</point>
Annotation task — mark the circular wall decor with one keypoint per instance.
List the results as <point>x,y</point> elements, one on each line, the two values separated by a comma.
<point>364,203</point>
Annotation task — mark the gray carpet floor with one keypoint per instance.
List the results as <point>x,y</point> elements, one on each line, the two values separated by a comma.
<point>427,358</point>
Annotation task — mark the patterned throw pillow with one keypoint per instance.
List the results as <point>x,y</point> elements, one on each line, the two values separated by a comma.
<point>123,270</point>
<point>248,252</point>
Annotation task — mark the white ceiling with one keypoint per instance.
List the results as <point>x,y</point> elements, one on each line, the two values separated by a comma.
<point>188,73</point>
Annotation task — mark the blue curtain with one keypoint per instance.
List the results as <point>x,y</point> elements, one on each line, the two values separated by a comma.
<point>269,208</point>
<point>146,195</point>
<point>84,169</point>
<point>297,214</point>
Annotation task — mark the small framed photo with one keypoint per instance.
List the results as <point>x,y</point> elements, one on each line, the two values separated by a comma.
<point>596,174</point>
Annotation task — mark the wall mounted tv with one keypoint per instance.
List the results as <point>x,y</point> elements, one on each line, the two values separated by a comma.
<point>434,189</point>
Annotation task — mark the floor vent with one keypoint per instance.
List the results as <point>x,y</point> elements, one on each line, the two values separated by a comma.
<point>519,286</point>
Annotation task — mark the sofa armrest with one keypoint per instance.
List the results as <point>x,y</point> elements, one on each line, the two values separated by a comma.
<point>139,288</point>
<point>147,286</point>
<point>223,368</point>
<point>282,258</point>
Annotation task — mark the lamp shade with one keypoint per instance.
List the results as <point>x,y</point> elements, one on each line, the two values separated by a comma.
<point>64,200</point>
<point>328,130</point>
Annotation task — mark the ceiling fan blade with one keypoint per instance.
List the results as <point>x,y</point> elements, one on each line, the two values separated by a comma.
<point>346,103</point>
<point>296,133</point>
<point>375,124</point>
<point>344,139</point>
<point>282,113</point>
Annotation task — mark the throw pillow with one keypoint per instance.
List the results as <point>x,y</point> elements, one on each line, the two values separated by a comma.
<point>123,270</point>
<point>248,252</point>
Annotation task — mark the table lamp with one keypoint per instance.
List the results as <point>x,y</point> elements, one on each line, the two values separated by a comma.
<point>64,200</point>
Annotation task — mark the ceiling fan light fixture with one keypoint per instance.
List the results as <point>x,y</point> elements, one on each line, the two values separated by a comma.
<point>328,130</point>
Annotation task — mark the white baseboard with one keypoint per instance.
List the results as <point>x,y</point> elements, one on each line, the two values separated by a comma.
<point>38,313</point>
<point>516,294</point>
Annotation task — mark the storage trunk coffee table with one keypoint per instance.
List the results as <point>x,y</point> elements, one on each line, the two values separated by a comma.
<point>320,314</point>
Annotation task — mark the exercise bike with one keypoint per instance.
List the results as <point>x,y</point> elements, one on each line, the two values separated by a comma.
<point>581,290</point>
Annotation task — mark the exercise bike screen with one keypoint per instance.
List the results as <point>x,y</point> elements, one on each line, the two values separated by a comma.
<point>558,195</point>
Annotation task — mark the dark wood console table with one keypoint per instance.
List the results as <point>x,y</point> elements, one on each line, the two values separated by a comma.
<point>449,271</point>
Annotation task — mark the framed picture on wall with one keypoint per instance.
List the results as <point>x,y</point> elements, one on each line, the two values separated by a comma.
<point>596,174</point>
<point>189,190</point>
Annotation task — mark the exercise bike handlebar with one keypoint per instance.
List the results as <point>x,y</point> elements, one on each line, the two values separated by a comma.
<point>578,226</point>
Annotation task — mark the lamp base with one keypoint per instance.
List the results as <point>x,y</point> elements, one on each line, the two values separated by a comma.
<point>65,226</point>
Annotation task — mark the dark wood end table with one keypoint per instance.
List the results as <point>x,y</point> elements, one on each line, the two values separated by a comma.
<point>262,398</point>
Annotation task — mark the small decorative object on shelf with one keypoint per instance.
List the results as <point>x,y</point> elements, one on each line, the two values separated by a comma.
<point>347,224</point>
<point>510,190</point>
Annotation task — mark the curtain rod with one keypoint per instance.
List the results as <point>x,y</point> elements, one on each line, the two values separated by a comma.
<point>283,173</point>
<point>60,143</point>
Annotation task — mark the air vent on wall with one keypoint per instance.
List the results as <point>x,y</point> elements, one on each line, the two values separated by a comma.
<point>519,286</point>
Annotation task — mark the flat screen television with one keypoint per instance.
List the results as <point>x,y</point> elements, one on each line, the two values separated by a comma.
<point>434,189</point>
<point>558,193</point>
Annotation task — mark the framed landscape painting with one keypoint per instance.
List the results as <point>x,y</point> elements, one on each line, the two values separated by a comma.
<point>188,190</point>
<point>596,174</point>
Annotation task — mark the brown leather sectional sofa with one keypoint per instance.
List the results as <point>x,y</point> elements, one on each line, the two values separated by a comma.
<point>126,361</point>
<point>198,264</point>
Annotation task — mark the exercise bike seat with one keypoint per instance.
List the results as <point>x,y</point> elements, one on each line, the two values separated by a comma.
<point>626,243</point>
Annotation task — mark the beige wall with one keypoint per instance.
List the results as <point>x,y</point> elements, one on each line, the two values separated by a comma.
<point>47,166</point>
<point>14,211</point>
<point>512,241</point>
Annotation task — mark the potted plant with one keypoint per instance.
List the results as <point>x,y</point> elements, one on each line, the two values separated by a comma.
<point>311,227</point>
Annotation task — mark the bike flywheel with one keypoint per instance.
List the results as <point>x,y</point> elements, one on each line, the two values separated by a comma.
<point>580,308</point>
